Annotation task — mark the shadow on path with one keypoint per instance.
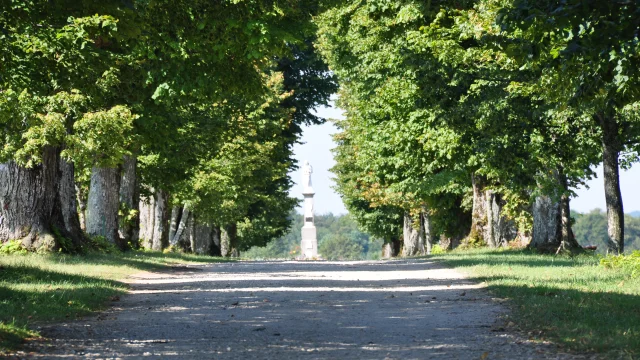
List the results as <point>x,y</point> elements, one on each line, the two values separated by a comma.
<point>405,309</point>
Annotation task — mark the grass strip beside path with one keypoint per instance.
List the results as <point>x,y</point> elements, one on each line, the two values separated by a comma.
<point>571,301</point>
<point>53,287</point>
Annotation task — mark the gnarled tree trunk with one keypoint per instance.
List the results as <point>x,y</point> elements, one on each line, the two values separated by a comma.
<point>488,225</point>
<point>499,229</point>
<point>103,204</point>
<point>391,248</point>
<point>228,241</point>
<point>130,197</point>
<point>147,221</point>
<point>413,238</point>
<point>216,242</point>
<point>546,224</point>
<point>479,209</point>
<point>552,221</point>
<point>204,238</point>
<point>38,205</point>
<point>611,146</point>
<point>160,238</point>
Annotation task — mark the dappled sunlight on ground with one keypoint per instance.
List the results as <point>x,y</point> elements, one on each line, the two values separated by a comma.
<point>411,309</point>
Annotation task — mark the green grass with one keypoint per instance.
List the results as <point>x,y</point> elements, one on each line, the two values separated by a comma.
<point>573,302</point>
<point>36,288</point>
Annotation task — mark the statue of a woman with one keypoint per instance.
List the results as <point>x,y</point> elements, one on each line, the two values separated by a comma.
<point>307,170</point>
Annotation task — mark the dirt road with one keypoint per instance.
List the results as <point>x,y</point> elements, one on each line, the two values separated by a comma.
<point>404,309</point>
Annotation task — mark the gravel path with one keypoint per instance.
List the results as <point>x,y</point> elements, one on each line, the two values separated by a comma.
<point>403,309</point>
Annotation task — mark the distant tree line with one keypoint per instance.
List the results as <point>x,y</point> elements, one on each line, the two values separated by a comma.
<point>338,239</point>
<point>591,229</point>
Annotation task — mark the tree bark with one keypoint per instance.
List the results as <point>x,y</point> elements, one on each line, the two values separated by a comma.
<point>488,225</point>
<point>81,198</point>
<point>552,220</point>
<point>499,229</point>
<point>611,147</point>
<point>70,227</point>
<point>391,248</point>
<point>38,205</point>
<point>147,221</point>
<point>103,204</point>
<point>479,210</point>
<point>129,229</point>
<point>204,238</point>
<point>160,239</point>
<point>429,235</point>
<point>228,240</point>
<point>215,248</point>
<point>191,226</point>
<point>413,238</point>
<point>182,226</point>
<point>176,213</point>
<point>547,224</point>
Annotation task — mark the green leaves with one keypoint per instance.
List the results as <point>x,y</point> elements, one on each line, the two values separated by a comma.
<point>101,138</point>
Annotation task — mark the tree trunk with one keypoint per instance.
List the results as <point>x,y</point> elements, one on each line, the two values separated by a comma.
<point>147,221</point>
<point>129,228</point>
<point>192,233</point>
<point>176,213</point>
<point>429,235</point>
<point>552,221</point>
<point>457,229</point>
<point>103,204</point>
<point>182,226</point>
<point>391,248</point>
<point>228,240</point>
<point>488,225</point>
<point>499,229</point>
<point>413,238</point>
<point>38,205</point>
<point>81,198</point>
<point>160,239</point>
<point>547,224</point>
<point>214,249</point>
<point>67,208</point>
<point>204,238</point>
<point>615,212</point>
<point>479,210</point>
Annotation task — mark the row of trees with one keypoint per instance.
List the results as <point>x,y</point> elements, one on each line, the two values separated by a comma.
<point>473,119</point>
<point>154,123</point>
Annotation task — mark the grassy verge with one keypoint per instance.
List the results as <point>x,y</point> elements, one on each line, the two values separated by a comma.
<point>53,287</point>
<point>574,302</point>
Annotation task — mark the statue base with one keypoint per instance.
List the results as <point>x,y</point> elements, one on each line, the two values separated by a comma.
<point>309,243</point>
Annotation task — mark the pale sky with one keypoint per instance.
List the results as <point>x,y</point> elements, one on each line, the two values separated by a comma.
<point>317,149</point>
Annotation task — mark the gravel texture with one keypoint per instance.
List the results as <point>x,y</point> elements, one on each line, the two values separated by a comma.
<point>401,309</point>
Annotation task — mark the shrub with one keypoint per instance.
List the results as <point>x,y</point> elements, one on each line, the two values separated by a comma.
<point>437,249</point>
<point>627,263</point>
<point>101,244</point>
<point>13,247</point>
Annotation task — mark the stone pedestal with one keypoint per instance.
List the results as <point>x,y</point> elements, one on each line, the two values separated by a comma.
<point>309,243</point>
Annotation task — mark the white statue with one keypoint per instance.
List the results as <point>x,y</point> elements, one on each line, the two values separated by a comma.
<point>307,170</point>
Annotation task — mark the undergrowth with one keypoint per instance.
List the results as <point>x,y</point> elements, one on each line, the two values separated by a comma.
<point>626,263</point>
